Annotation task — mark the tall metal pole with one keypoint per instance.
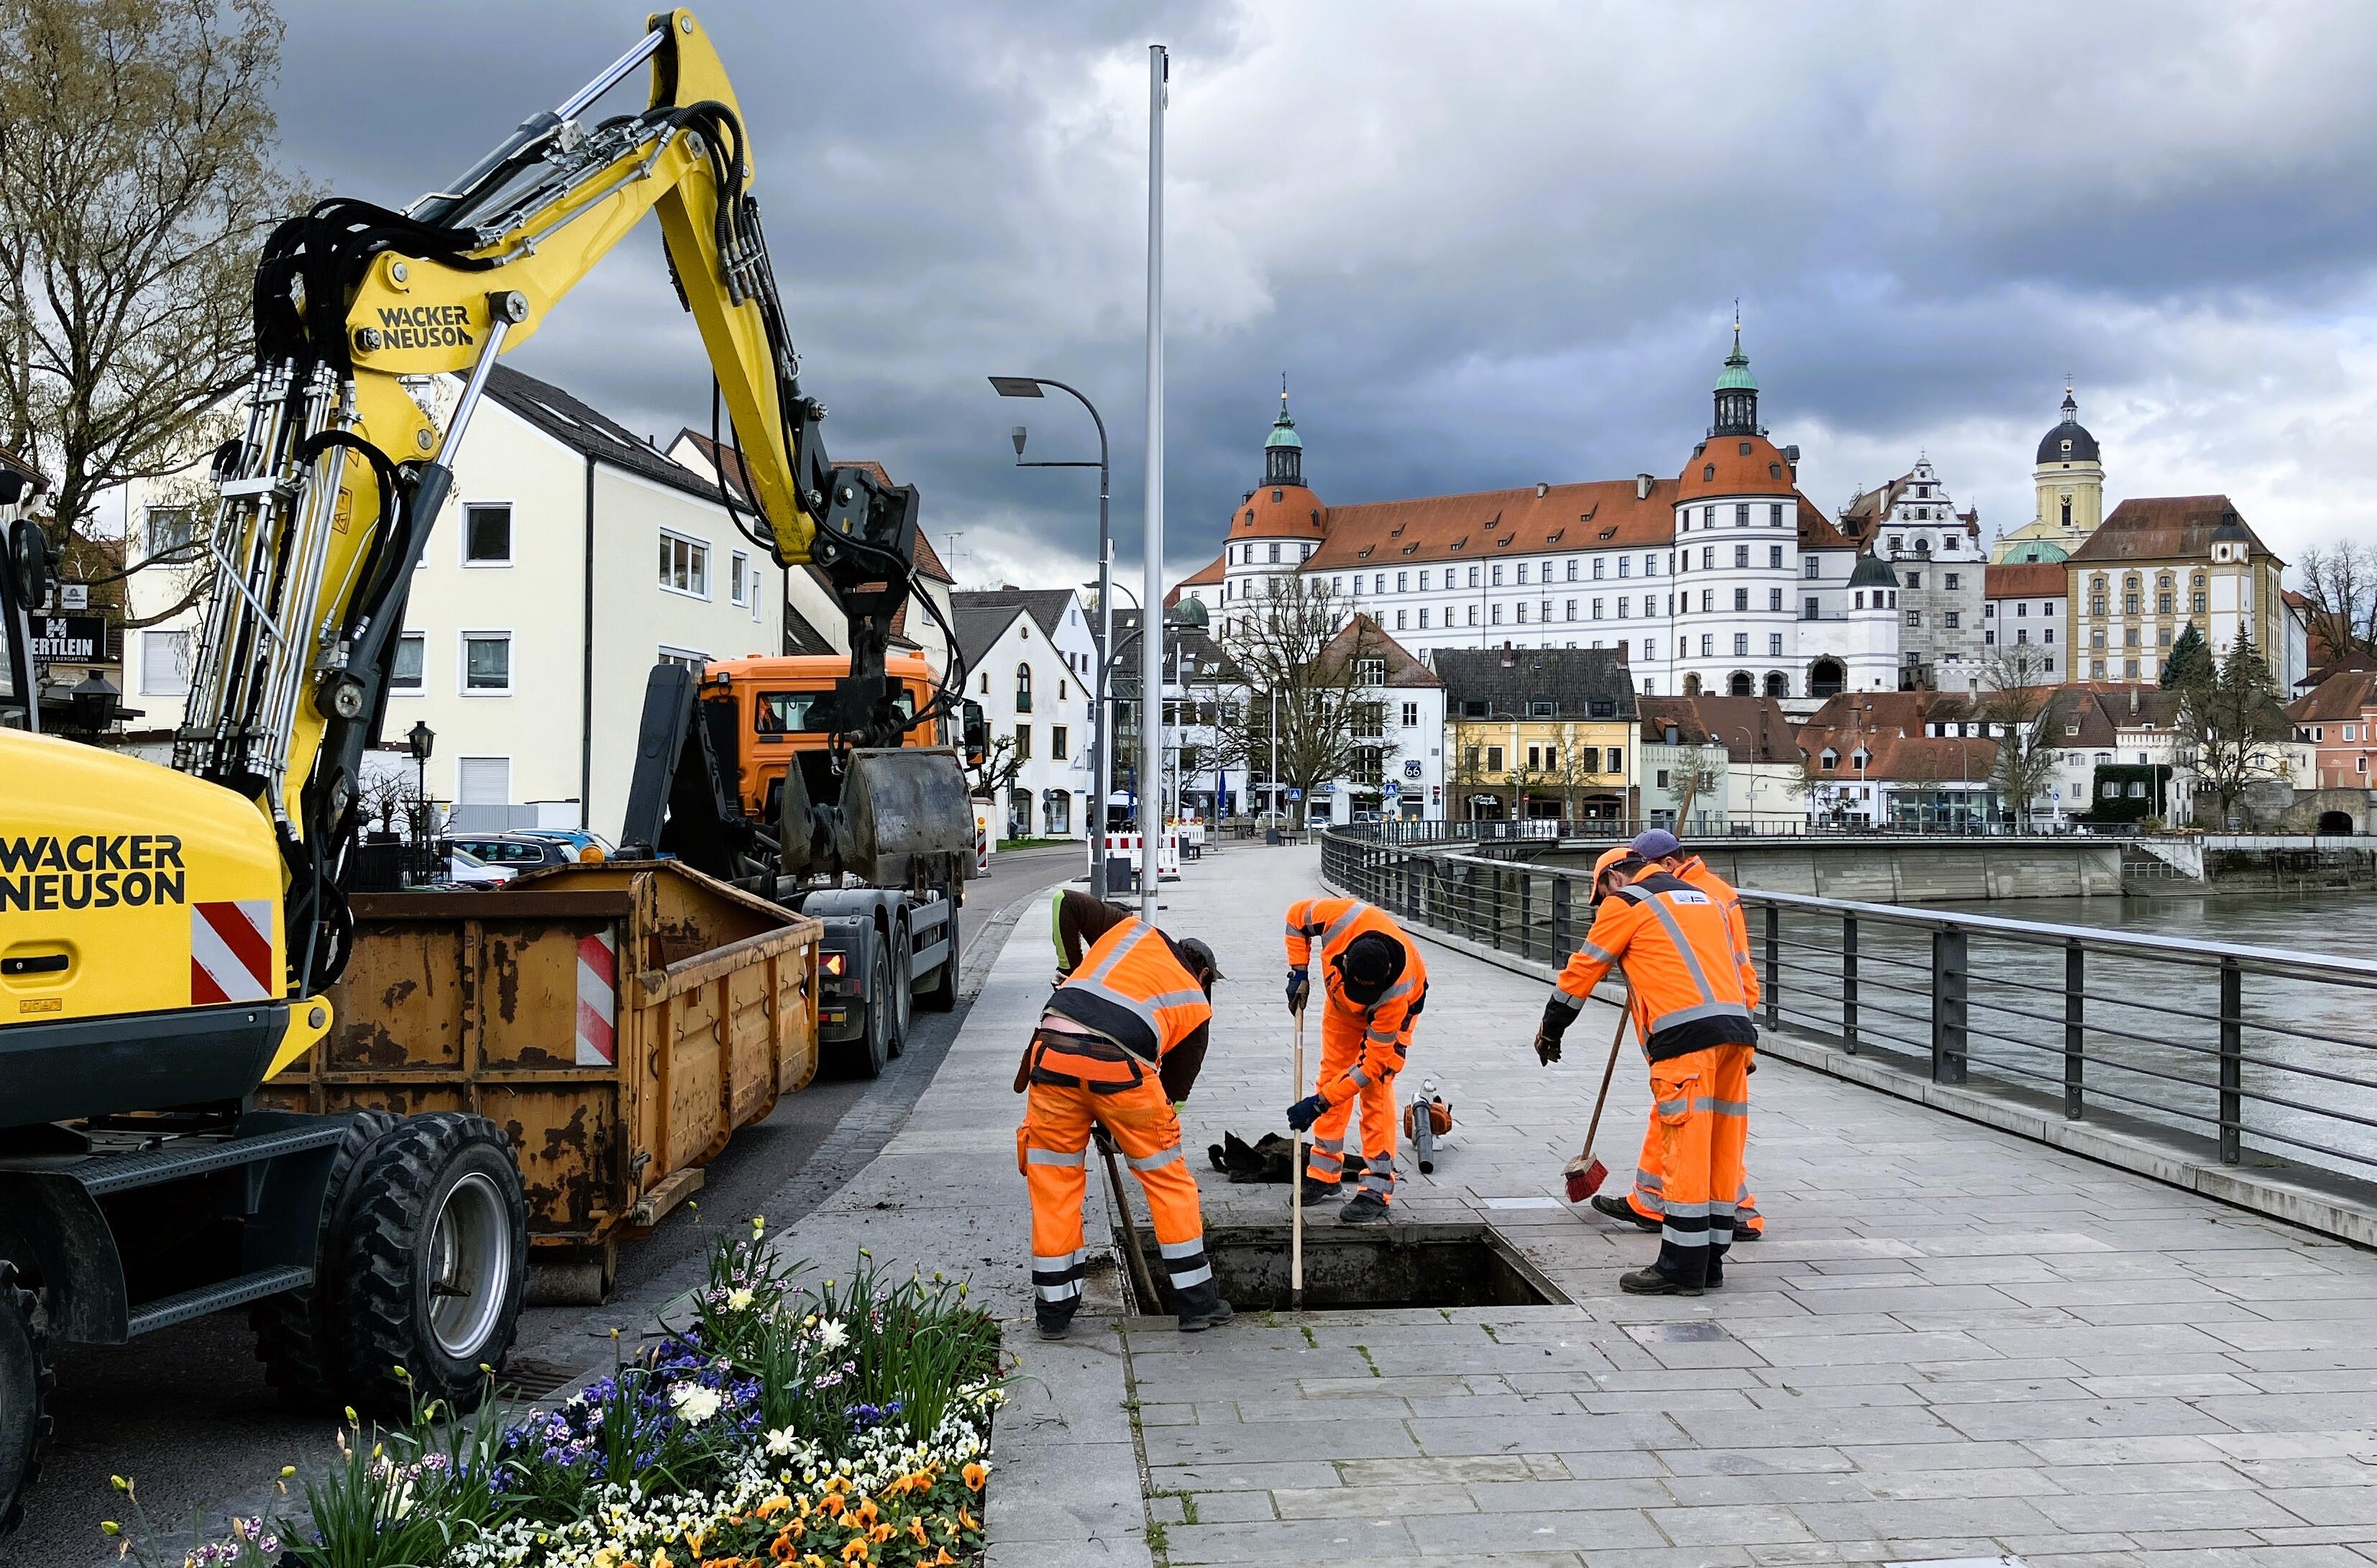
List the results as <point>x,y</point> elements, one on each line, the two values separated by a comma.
<point>1150,651</point>
<point>1101,758</point>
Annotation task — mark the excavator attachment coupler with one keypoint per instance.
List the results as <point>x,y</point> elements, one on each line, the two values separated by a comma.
<point>906,819</point>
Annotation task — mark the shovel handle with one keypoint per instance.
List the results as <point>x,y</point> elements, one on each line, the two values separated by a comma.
<point>1608,1073</point>
<point>1296,1188</point>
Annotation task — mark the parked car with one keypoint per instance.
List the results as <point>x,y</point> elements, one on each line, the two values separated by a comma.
<point>521,852</point>
<point>467,870</point>
<point>587,848</point>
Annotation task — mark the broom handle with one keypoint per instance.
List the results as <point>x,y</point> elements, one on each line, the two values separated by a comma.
<point>1296,1188</point>
<point>1607,1074</point>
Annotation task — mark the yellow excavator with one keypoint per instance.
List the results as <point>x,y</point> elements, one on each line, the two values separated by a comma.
<point>167,934</point>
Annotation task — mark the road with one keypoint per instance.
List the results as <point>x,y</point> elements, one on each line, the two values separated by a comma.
<point>186,1412</point>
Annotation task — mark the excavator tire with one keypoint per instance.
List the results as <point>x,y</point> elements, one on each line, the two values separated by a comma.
<point>26,1381</point>
<point>294,1339</point>
<point>432,1265</point>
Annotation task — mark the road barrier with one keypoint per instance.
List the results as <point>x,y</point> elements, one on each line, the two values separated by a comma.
<point>1126,846</point>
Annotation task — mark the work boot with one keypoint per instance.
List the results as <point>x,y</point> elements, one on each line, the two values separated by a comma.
<point>1367,1208</point>
<point>1621,1211</point>
<point>1213,1317</point>
<point>1651,1282</point>
<point>1317,1190</point>
<point>1741,1235</point>
<point>1051,1324</point>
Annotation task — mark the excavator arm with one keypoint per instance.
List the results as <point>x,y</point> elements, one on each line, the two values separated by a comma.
<point>365,317</point>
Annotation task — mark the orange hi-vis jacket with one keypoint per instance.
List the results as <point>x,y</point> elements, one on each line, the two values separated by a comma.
<point>1133,989</point>
<point>1676,946</point>
<point>1322,928</point>
<point>1696,872</point>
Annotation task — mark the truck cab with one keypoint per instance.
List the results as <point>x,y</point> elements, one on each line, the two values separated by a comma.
<point>771,696</point>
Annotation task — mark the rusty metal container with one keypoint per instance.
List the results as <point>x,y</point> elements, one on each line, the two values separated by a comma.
<point>619,1020</point>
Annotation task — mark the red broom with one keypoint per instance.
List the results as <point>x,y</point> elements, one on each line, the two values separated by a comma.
<point>1586,1173</point>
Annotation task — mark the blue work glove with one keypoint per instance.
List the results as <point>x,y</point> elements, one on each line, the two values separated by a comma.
<point>1306,1111</point>
<point>1299,986</point>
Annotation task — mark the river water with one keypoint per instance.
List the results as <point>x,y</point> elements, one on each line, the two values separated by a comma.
<point>2308,1047</point>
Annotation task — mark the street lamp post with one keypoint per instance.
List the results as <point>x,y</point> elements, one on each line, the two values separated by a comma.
<point>1100,760</point>
<point>418,740</point>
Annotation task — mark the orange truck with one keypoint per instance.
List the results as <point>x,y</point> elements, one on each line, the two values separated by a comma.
<point>731,778</point>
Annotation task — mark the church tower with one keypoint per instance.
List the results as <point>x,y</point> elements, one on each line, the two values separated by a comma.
<point>2070,475</point>
<point>1283,452</point>
<point>1737,392</point>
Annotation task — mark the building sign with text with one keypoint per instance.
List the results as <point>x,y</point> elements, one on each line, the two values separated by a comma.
<point>70,639</point>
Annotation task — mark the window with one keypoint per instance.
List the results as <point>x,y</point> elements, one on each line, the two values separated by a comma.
<point>405,675</point>
<point>1568,611</point>
<point>1897,543</point>
<point>1810,567</point>
<point>1915,618</point>
<point>482,781</point>
<point>169,528</point>
<point>1951,581</point>
<point>1807,608</point>
<point>1914,579</point>
<point>1774,515</point>
<point>1399,620</point>
<point>1708,645</point>
<point>1522,612</point>
<point>1535,757</point>
<point>1708,557</point>
<point>1774,644</point>
<point>1774,557</point>
<point>1523,571</point>
<point>1741,642</point>
<point>1498,574</point>
<point>1775,600</point>
<point>1274,550</point>
<point>1473,577</point>
<point>1423,619</point>
<point>1369,672</point>
<point>1621,606</point>
<point>1741,554</point>
<point>2197,600</point>
<point>165,655</point>
<point>1828,759</point>
<point>684,565</point>
<point>1616,760</point>
<point>1663,778</point>
<point>1649,564</point>
<point>1742,517</point>
<point>2129,669</point>
<point>2129,637</point>
<point>1473,614</point>
<point>1742,598</point>
<point>486,663</point>
<point>1625,566</point>
<point>1059,739</point>
<point>1600,568</point>
<point>1423,581</point>
<point>739,581</point>
<point>1498,614</point>
<point>1860,602</point>
<point>1024,738</point>
<point>1955,618</point>
<point>1708,601</point>
<point>1411,715</point>
<point>1024,688</point>
<point>1493,759</point>
<point>1402,581</point>
<point>2164,636</point>
<point>487,533</point>
<point>1596,609</point>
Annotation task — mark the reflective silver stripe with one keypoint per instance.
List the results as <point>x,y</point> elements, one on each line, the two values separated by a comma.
<point>1401,987</point>
<point>1330,1146</point>
<point>1688,1211</point>
<point>1706,1010</point>
<point>1094,980</point>
<point>1055,1157</point>
<point>1568,1000</point>
<point>1197,1275</point>
<point>1318,1161</point>
<point>1383,1186</point>
<point>1053,1263</point>
<point>1647,1181</point>
<point>1671,1108</point>
<point>1684,1238</point>
<point>1176,999</point>
<point>1155,1161</point>
<point>1359,1076</point>
<point>1337,926</point>
<point>1676,933</point>
<point>1187,1248</point>
<point>1598,954</point>
<point>1743,1206</point>
<point>1058,1294</point>
<point>1722,1107</point>
<point>1382,1037</point>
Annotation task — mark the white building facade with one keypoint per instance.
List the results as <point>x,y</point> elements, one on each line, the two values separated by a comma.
<point>1030,661</point>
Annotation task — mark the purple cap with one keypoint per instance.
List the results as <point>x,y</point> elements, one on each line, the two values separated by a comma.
<point>1656,843</point>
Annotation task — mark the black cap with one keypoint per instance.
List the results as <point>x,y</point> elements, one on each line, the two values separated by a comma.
<point>1369,965</point>
<point>1197,950</point>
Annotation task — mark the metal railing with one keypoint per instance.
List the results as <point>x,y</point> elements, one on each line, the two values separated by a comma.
<point>1543,831</point>
<point>2258,1052</point>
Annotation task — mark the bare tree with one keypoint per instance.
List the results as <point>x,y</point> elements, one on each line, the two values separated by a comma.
<point>2016,706</point>
<point>1697,773</point>
<point>2340,580</point>
<point>1305,686</point>
<point>1818,786</point>
<point>136,184</point>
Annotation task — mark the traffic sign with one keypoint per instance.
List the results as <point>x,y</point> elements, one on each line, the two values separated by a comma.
<point>1296,795</point>
<point>74,595</point>
<point>1391,788</point>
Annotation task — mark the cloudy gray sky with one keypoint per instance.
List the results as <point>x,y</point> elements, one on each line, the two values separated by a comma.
<point>1489,243</point>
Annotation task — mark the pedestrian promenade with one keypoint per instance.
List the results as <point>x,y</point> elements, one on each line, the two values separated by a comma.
<point>1954,1345</point>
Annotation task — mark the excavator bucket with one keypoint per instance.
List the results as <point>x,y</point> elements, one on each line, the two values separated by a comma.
<point>906,819</point>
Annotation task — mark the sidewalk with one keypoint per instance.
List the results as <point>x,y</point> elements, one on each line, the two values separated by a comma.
<point>1955,1344</point>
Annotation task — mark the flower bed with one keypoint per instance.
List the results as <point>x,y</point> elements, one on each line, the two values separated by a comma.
<point>844,1424</point>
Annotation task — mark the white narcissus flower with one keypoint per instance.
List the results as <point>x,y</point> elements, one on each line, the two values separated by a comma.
<point>832,1336</point>
<point>739,1299</point>
<point>694,1403</point>
<point>782,1440</point>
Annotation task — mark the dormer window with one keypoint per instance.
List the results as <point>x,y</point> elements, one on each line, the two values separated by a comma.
<point>1708,472</point>
<point>1857,759</point>
<point>1829,760</point>
<point>1279,495</point>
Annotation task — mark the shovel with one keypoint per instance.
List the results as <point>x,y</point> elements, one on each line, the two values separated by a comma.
<point>1295,1192</point>
<point>1150,1302</point>
<point>1586,1173</point>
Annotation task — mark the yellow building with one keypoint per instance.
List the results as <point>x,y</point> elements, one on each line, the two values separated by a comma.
<point>2070,476</point>
<point>2159,563</point>
<point>1539,734</point>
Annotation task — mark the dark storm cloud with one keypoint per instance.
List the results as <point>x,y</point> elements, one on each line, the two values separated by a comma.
<point>1489,244</point>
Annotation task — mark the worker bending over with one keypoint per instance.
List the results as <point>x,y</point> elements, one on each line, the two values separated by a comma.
<point>1376,985</point>
<point>1119,1043</point>
<point>1693,1020</point>
<point>1642,1207</point>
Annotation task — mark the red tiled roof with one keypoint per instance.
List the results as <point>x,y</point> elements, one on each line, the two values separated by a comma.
<point>2346,694</point>
<point>1736,465</point>
<point>1752,729</point>
<point>2025,579</point>
<point>1366,639</point>
<point>1597,515</point>
<point>1278,512</point>
<point>2158,527</point>
<point>1204,577</point>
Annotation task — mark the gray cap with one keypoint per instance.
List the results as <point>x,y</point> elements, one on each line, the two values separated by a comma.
<point>1656,843</point>
<point>1196,949</point>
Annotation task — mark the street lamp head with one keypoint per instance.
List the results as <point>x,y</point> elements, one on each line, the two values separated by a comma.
<point>419,739</point>
<point>1016,386</point>
<point>1017,437</point>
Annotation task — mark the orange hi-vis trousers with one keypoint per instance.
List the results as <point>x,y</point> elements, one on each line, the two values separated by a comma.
<point>1341,1046</point>
<point>1052,1148</point>
<point>1702,1102</point>
<point>1650,1188</point>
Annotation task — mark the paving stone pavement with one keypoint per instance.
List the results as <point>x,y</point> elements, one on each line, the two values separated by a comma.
<point>1954,1345</point>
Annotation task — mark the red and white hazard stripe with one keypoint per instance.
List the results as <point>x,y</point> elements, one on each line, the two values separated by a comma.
<point>231,952</point>
<point>598,1000</point>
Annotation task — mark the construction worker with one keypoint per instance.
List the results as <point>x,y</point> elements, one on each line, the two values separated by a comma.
<point>1641,1206</point>
<point>1694,1022</point>
<point>1376,987</point>
<point>1120,1041</point>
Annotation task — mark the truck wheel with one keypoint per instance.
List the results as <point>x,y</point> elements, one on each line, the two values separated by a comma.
<point>432,1266</point>
<point>871,1051</point>
<point>294,1335</point>
<point>904,986</point>
<point>25,1384</point>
